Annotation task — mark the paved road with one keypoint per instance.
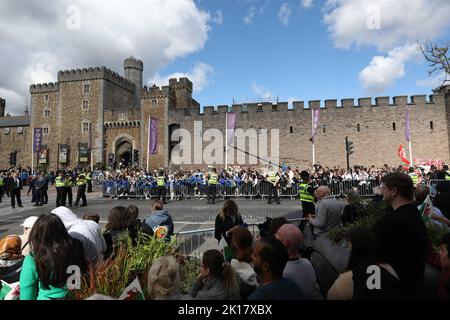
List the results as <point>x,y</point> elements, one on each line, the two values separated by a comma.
<point>188,214</point>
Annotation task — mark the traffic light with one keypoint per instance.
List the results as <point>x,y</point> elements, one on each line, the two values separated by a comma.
<point>14,158</point>
<point>348,150</point>
<point>348,146</point>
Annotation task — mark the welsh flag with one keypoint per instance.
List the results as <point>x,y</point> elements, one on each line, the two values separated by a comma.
<point>426,209</point>
<point>133,292</point>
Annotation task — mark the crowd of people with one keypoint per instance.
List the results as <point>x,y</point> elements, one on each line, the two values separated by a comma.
<point>271,267</point>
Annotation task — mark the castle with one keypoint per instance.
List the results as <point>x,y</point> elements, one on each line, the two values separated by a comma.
<point>97,109</point>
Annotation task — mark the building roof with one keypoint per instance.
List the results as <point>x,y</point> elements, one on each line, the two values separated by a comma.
<point>20,121</point>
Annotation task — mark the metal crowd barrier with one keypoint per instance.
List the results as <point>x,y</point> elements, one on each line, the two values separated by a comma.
<point>178,191</point>
<point>195,242</point>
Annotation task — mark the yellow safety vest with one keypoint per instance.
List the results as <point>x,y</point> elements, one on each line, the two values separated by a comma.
<point>213,179</point>
<point>447,176</point>
<point>1,182</point>
<point>89,177</point>
<point>59,183</point>
<point>414,177</point>
<point>305,196</point>
<point>81,181</point>
<point>160,182</point>
<point>272,177</point>
<point>68,182</point>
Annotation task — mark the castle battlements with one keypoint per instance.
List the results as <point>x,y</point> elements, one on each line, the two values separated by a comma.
<point>301,106</point>
<point>155,92</point>
<point>44,87</point>
<point>182,83</point>
<point>97,73</point>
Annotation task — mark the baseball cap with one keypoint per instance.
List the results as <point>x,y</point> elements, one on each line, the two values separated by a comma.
<point>29,222</point>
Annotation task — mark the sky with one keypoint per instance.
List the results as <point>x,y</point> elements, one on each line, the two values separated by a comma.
<point>232,50</point>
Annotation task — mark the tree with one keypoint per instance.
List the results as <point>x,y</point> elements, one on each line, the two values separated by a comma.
<point>438,59</point>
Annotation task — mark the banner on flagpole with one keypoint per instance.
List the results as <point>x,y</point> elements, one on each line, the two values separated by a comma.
<point>315,124</point>
<point>37,139</point>
<point>407,126</point>
<point>230,127</point>
<point>402,154</point>
<point>153,135</point>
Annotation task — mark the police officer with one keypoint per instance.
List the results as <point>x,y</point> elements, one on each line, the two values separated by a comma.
<point>2,184</point>
<point>212,186</point>
<point>306,195</point>
<point>68,187</point>
<point>81,193</point>
<point>445,167</point>
<point>273,179</point>
<point>161,187</point>
<point>45,188</point>
<point>60,190</point>
<point>414,176</point>
<point>89,182</point>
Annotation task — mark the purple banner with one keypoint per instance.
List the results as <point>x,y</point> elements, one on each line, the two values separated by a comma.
<point>231,125</point>
<point>407,126</point>
<point>153,135</point>
<point>37,139</point>
<point>315,123</point>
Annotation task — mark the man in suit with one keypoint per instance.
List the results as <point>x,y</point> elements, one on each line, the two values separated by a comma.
<point>14,185</point>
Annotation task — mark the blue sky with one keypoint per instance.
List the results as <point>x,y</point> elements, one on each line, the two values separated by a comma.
<point>296,60</point>
<point>242,49</point>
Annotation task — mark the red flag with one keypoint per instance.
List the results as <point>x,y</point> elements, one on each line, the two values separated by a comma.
<point>402,154</point>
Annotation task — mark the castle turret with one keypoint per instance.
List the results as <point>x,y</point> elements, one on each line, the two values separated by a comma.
<point>133,69</point>
<point>2,107</point>
<point>183,92</point>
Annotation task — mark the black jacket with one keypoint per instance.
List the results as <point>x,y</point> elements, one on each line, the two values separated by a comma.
<point>401,239</point>
<point>11,185</point>
<point>222,226</point>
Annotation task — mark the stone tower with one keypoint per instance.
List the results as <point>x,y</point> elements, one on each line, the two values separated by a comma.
<point>2,107</point>
<point>183,92</point>
<point>133,69</point>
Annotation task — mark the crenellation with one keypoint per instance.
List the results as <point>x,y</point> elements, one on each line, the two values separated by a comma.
<point>331,103</point>
<point>282,106</point>
<point>236,108</point>
<point>298,105</point>
<point>208,110</point>
<point>365,102</point>
<point>400,100</point>
<point>382,101</point>
<point>314,104</point>
<point>44,87</point>
<point>348,102</point>
<point>222,109</point>
<point>437,98</point>
<point>418,99</point>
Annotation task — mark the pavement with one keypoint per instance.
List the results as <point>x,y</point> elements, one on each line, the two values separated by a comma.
<point>188,215</point>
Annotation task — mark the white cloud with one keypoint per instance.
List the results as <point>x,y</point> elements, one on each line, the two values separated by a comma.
<point>383,71</point>
<point>285,13</point>
<point>200,77</point>
<point>385,24</point>
<point>390,26</point>
<point>218,19</point>
<point>433,81</point>
<point>253,11</point>
<point>307,4</point>
<point>37,43</point>
<point>261,91</point>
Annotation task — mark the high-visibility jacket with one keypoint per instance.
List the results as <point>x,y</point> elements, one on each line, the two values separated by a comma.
<point>160,181</point>
<point>305,196</point>
<point>447,175</point>
<point>59,183</point>
<point>68,182</point>
<point>213,178</point>
<point>89,177</point>
<point>272,177</point>
<point>1,182</point>
<point>414,177</point>
<point>81,181</point>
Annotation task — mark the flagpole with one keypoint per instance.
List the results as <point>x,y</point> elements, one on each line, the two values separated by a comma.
<point>410,154</point>
<point>32,152</point>
<point>148,142</point>
<point>313,138</point>
<point>226,140</point>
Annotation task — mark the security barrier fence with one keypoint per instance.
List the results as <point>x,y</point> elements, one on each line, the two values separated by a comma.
<point>182,190</point>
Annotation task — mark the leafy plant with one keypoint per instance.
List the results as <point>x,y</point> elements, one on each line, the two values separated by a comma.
<point>189,269</point>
